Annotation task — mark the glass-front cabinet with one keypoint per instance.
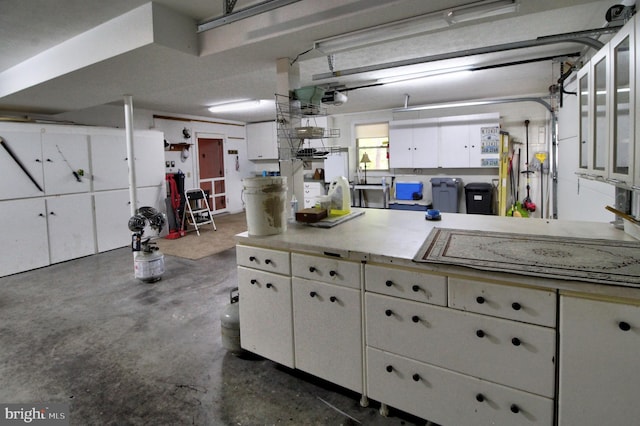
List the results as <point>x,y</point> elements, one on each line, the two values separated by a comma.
<point>584,100</point>
<point>621,146</point>
<point>636,100</point>
<point>600,114</point>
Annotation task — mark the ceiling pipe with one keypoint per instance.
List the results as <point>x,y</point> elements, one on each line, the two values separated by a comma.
<point>580,37</point>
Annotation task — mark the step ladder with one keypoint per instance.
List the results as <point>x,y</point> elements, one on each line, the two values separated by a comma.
<point>198,209</point>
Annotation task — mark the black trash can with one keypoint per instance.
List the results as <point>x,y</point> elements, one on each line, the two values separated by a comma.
<point>479,198</point>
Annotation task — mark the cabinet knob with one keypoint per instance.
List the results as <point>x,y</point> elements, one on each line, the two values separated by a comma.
<point>333,273</point>
<point>416,377</point>
<point>252,258</point>
<point>312,269</point>
<point>313,294</point>
<point>268,261</point>
<point>480,333</point>
<point>479,397</point>
<point>624,326</point>
<point>52,213</point>
<point>38,160</point>
<point>388,283</point>
<point>40,214</point>
<point>254,281</point>
<point>514,408</point>
<point>415,288</point>
<point>388,312</point>
<point>49,160</point>
<point>515,341</point>
<point>480,300</point>
<point>389,368</point>
<point>333,299</point>
<point>415,318</point>
<point>516,306</point>
<point>269,285</point>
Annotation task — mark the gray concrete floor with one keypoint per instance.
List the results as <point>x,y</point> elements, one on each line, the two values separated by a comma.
<point>120,351</point>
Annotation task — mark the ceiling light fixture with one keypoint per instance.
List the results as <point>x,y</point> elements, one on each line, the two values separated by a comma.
<point>416,25</point>
<point>237,106</point>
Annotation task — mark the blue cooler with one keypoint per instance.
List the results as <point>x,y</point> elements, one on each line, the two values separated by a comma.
<point>408,190</point>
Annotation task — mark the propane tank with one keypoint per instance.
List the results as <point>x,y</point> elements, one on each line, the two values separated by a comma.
<point>230,324</point>
<point>148,265</point>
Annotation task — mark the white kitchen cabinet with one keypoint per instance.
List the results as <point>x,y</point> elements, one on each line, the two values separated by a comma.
<point>461,140</point>
<point>584,118</point>
<point>148,151</point>
<point>312,190</point>
<point>326,269</point>
<point>262,141</point>
<point>600,72</point>
<point>109,164</point>
<point>449,398</point>
<point>265,315</point>
<point>406,283</point>
<point>64,153</point>
<point>327,326</point>
<point>24,225</point>
<point>413,144</point>
<point>599,376</point>
<point>112,216</point>
<point>25,143</point>
<point>70,226</point>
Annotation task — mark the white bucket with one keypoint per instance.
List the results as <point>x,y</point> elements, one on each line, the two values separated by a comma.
<point>266,205</point>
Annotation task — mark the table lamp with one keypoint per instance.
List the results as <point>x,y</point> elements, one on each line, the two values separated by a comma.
<point>364,160</point>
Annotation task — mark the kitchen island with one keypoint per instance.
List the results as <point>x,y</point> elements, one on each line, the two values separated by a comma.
<point>454,341</point>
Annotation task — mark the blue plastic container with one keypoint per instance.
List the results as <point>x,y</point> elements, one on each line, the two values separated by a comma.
<point>405,190</point>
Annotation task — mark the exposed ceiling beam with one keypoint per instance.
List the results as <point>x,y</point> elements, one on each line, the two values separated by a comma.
<point>247,12</point>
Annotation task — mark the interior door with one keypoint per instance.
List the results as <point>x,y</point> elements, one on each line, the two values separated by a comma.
<point>212,176</point>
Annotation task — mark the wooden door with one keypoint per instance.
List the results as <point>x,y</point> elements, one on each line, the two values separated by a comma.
<point>212,177</point>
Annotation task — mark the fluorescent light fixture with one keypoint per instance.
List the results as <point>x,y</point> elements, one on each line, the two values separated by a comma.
<point>424,74</point>
<point>416,25</point>
<point>237,106</point>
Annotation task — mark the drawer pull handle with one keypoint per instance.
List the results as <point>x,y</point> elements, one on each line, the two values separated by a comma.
<point>415,318</point>
<point>313,294</point>
<point>480,334</point>
<point>416,288</point>
<point>389,368</point>
<point>254,281</point>
<point>514,409</point>
<point>416,377</point>
<point>252,258</point>
<point>515,341</point>
<point>333,299</point>
<point>624,326</point>
<point>268,261</point>
<point>388,312</point>
<point>333,273</point>
<point>269,285</point>
<point>389,283</point>
<point>516,306</point>
<point>480,300</point>
<point>480,397</point>
<point>312,269</point>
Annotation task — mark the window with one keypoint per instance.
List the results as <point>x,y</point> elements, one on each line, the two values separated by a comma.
<point>373,139</point>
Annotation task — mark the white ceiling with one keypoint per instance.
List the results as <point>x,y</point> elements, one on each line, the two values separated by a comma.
<point>238,60</point>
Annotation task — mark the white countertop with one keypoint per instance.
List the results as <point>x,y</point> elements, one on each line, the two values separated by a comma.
<point>396,236</point>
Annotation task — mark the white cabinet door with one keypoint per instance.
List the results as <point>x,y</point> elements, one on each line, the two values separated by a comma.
<point>401,150</point>
<point>266,323</point>
<point>599,375</point>
<point>149,158</point>
<point>109,161</point>
<point>262,143</point>
<point>454,145</point>
<point>27,147</point>
<point>425,145</point>
<point>112,215</point>
<point>24,240</point>
<point>328,332</point>
<point>63,154</point>
<point>70,220</point>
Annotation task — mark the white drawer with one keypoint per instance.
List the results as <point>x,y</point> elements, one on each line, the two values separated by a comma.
<point>515,354</point>
<point>276,261</point>
<point>516,303</point>
<point>408,284</point>
<point>266,315</point>
<point>315,188</point>
<point>327,323</point>
<point>450,398</point>
<point>326,269</point>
